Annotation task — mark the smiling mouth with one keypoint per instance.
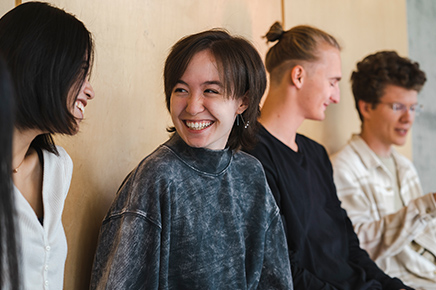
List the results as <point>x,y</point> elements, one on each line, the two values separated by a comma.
<point>198,125</point>
<point>81,107</point>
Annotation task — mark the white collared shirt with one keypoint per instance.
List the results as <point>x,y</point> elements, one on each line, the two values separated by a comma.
<point>44,247</point>
<point>362,181</point>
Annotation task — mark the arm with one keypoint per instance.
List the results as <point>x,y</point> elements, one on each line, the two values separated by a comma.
<point>128,250</point>
<point>359,198</point>
<point>127,255</point>
<point>360,257</point>
<point>302,278</point>
<point>276,270</point>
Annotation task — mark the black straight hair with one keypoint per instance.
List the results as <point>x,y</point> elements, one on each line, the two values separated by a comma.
<point>9,270</point>
<point>49,53</point>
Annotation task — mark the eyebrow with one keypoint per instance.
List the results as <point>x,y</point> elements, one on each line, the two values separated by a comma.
<point>218,83</point>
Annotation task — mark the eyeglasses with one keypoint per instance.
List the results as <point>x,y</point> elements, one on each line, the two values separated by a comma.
<point>398,107</point>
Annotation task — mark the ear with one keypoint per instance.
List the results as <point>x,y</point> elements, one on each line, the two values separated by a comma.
<point>297,76</point>
<point>243,105</point>
<point>365,109</point>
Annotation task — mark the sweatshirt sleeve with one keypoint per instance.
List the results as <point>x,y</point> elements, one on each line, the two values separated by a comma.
<point>127,239</point>
<point>276,272</point>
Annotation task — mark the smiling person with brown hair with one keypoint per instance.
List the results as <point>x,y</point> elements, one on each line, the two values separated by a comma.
<point>197,213</point>
<point>49,53</point>
<point>379,187</point>
<point>305,70</point>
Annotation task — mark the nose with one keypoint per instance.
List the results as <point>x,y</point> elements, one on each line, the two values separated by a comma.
<point>336,96</point>
<point>407,116</point>
<point>88,90</point>
<point>194,104</point>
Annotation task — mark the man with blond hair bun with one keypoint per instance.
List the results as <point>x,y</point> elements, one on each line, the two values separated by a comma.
<point>305,70</point>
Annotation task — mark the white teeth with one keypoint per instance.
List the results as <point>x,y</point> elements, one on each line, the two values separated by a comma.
<point>198,125</point>
<point>81,107</point>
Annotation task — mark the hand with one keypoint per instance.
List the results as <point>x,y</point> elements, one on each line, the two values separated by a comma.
<point>434,196</point>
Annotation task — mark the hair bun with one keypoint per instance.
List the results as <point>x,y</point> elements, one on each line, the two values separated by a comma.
<point>275,32</point>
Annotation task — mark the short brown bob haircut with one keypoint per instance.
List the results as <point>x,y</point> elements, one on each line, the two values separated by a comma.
<point>241,71</point>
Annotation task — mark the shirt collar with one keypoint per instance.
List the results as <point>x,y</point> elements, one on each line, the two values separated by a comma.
<point>368,157</point>
<point>200,159</point>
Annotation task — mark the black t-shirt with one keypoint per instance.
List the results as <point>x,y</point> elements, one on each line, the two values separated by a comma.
<point>324,249</point>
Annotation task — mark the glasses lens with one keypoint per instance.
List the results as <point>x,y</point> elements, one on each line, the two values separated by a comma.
<point>397,107</point>
<point>416,108</point>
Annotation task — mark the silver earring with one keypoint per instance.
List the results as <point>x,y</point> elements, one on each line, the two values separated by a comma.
<point>243,121</point>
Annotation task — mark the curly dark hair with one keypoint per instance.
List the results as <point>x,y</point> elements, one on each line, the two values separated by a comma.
<point>380,69</point>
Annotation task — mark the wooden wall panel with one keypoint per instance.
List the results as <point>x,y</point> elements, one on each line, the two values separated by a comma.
<point>127,118</point>
<point>6,5</point>
<point>362,27</point>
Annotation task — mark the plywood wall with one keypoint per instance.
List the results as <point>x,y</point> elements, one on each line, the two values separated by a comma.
<point>127,118</point>
<point>362,27</point>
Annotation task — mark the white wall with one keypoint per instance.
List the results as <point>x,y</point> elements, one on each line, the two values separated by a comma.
<point>422,47</point>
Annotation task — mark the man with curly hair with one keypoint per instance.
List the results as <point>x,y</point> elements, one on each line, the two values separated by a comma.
<point>379,187</point>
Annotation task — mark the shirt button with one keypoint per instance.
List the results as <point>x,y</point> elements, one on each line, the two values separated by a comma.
<point>46,283</point>
<point>46,268</point>
<point>47,248</point>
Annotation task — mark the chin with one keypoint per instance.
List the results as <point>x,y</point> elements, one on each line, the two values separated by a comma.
<point>318,118</point>
<point>193,143</point>
<point>401,143</point>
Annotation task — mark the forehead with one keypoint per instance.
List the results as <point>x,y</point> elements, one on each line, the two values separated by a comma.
<point>202,59</point>
<point>329,61</point>
<point>393,93</point>
<point>203,66</point>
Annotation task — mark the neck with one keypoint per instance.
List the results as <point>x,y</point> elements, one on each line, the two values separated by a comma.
<point>376,145</point>
<point>21,144</point>
<point>280,117</point>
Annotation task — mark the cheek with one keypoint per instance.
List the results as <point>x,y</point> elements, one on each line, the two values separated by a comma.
<point>175,105</point>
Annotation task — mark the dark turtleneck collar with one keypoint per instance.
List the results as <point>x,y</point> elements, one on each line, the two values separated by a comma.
<point>200,159</point>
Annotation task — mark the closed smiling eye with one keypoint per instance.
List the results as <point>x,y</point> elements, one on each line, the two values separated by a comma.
<point>210,91</point>
<point>180,90</point>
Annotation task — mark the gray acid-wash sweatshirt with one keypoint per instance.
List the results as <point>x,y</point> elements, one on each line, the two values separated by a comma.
<point>193,218</point>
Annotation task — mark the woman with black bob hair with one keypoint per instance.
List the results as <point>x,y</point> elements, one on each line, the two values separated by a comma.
<point>9,272</point>
<point>197,213</point>
<point>49,54</point>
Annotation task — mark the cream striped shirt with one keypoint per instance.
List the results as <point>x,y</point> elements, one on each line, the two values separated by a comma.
<point>402,243</point>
